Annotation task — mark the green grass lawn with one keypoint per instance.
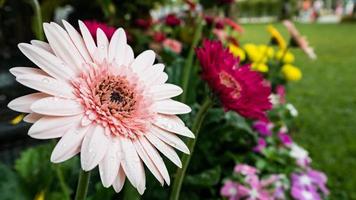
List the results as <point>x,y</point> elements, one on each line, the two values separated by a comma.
<point>326,100</point>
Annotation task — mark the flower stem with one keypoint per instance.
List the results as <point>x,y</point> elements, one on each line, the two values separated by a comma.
<point>62,182</point>
<point>83,184</point>
<point>37,20</point>
<point>189,62</point>
<point>180,174</point>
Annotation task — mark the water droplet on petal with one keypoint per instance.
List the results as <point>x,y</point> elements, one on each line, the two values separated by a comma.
<point>45,80</point>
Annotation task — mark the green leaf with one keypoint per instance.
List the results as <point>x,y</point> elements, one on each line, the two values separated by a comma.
<point>206,178</point>
<point>10,187</point>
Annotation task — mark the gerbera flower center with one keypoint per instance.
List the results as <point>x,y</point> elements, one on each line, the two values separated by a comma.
<point>115,99</point>
<point>230,82</point>
<point>115,94</point>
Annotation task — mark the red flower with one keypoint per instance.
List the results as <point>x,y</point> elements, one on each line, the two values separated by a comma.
<point>158,36</point>
<point>172,20</point>
<point>92,25</point>
<point>233,25</point>
<point>239,88</point>
<point>143,23</point>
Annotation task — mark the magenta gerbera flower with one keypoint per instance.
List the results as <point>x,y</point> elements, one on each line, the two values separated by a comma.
<point>113,109</point>
<point>239,88</point>
<point>93,25</point>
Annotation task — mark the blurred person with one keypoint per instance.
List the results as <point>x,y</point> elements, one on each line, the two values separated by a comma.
<point>317,6</point>
<point>339,9</point>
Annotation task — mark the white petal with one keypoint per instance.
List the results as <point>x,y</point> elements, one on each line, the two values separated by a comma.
<point>52,127</point>
<point>117,47</point>
<point>109,166</point>
<point>162,78</point>
<point>55,106</point>
<point>41,44</point>
<point>63,46</point>
<point>147,160</point>
<point>32,118</point>
<point>132,165</point>
<point>119,180</point>
<point>77,40</point>
<point>164,149</point>
<point>94,147</point>
<point>47,61</point>
<point>129,56</point>
<point>170,139</point>
<point>170,107</point>
<point>165,91</point>
<point>47,85</point>
<point>173,124</point>
<point>142,61</point>
<point>152,73</point>
<point>19,71</point>
<point>23,104</point>
<point>156,158</point>
<point>69,145</point>
<point>102,43</point>
<point>88,39</point>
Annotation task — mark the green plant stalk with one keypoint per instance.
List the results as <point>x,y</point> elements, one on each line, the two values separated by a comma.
<point>37,21</point>
<point>189,62</point>
<point>180,174</point>
<point>62,182</point>
<point>83,184</point>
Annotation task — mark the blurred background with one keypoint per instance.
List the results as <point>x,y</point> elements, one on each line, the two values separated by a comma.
<point>325,98</point>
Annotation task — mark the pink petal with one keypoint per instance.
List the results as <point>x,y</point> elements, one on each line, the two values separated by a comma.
<point>88,39</point>
<point>69,145</point>
<point>47,61</point>
<point>164,149</point>
<point>94,147</point>
<point>156,158</point>
<point>55,106</point>
<point>153,73</point>
<point>23,104</point>
<point>19,71</point>
<point>142,61</point>
<point>129,56</point>
<point>162,78</point>
<point>173,124</point>
<point>52,127</point>
<point>103,44</point>
<point>32,118</point>
<point>119,180</point>
<point>47,85</point>
<point>147,160</point>
<point>170,107</point>
<point>117,47</point>
<point>63,46</point>
<point>165,91</point>
<point>109,166</point>
<point>132,165</point>
<point>43,45</point>
<point>170,139</point>
<point>77,41</point>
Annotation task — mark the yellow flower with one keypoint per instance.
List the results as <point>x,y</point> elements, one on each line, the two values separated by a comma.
<point>40,196</point>
<point>261,67</point>
<point>266,50</point>
<point>277,37</point>
<point>254,53</point>
<point>17,119</point>
<point>291,73</point>
<point>288,57</point>
<point>237,52</point>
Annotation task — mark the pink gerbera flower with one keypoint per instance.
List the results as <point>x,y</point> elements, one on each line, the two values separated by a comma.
<point>93,25</point>
<point>239,88</point>
<point>113,109</point>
